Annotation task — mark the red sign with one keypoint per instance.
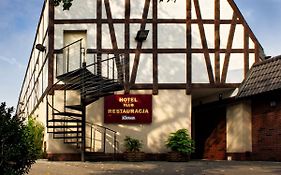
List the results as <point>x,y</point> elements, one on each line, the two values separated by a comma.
<point>128,109</point>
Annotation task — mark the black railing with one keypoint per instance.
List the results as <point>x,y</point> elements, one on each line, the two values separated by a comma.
<point>107,139</point>
<point>73,57</point>
<point>70,57</point>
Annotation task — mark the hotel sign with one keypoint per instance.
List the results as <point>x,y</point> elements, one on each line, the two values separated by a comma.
<point>128,109</point>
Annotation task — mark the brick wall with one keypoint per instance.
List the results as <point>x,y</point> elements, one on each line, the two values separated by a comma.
<point>266,123</point>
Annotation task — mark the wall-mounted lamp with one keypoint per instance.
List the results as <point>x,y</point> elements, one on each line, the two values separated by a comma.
<point>40,47</point>
<point>142,35</point>
<point>273,103</point>
<point>220,96</point>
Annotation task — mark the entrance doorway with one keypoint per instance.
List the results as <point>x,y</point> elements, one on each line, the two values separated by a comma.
<point>209,133</point>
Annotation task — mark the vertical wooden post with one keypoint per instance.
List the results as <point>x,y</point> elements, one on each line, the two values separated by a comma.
<point>155,45</point>
<point>246,52</point>
<point>188,48</point>
<point>51,44</point>
<point>217,41</point>
<point>127,46</point>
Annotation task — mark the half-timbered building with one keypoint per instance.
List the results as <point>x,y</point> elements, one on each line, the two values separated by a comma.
<point>169,65</point>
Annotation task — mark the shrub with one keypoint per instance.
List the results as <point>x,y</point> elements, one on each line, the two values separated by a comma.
<point>180,141</point>
<point>17,149</point>
<point>132,144</point>
<point>35,134</point>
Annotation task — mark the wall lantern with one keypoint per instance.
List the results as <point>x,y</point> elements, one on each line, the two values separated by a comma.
<point>273,103</point>
<point>40,47</point>
<point>141,35</point>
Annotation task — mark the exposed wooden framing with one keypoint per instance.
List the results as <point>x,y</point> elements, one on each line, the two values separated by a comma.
<point>188,48</point>
<point>246,52</point>
<point>183,86</point>
<point>99,35</point>
<point>204,42</point>
<point>155,45</point>
<point>127,45</point>
<point>113,38</point>
<point>228,48</point>
<point>221,85</point>
<point>154,21</point>
<point>139,45</point>
<point>217,41</point>
<point>51,36</point>
<point>110,25</point>
<point>242,19</point>
<point>111,51</point>
<point>257,52</point>
<point>122,21</point>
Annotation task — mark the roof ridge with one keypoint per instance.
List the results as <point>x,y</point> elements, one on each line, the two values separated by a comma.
<point>267,61</point>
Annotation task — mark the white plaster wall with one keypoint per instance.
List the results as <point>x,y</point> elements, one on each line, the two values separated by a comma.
<point>239,128</point>
<point>251,59</point>
<point>224,33</point>
<point>238,40</point>
<point>171,68</point>
<point>144,74</point>
<point>46,15</point>
<point>90,28</point>
<point>119,34</point>
<point>235,72</point>
<point>138,6</point>
<point>207,9</point>
<point>117,9</point>
<point>251,44</point>
<point>80,9</point>
<point>171,36</point>
<point>167,10</point>
<point>196,41</point>
<point>226,11</point>
<point>199,69</point>
<point>209,33</point>
<point>168,116</point>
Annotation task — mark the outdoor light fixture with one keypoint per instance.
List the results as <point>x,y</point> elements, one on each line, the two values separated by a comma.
<point>40,47</point>
<point>141,35</point>
<point>220,96</point>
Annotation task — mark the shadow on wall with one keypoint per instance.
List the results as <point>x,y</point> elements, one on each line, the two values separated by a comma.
<point>171,112</point>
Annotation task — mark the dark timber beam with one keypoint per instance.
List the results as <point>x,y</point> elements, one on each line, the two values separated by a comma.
<point>139,45</point>
<point>51,36</point>
<point>243,21</point>
<point>188,48</point>
<point>127,45</point>
<point>228,48</point>
<point>246,52</point>
<point>113,39</point>
<point>217,41</point>
<point>204,42</point>
<point>175,50</point>
<point>183,86</point>
<point>122,21</point>
<point>155,45</point>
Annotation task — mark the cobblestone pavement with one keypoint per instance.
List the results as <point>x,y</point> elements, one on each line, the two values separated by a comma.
<point>200,167</point>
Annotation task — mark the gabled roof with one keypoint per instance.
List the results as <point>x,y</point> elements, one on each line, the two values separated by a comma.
<point>263,77</point>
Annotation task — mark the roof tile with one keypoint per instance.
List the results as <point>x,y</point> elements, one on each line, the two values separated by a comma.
<point>263,77</point>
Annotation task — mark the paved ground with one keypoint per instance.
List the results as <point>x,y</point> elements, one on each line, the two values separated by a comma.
<point>43,167</point>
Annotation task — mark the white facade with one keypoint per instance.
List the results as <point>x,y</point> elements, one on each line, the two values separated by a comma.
<point>211,49</point>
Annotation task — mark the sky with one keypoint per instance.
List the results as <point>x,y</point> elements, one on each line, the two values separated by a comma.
<point>19,19</point>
